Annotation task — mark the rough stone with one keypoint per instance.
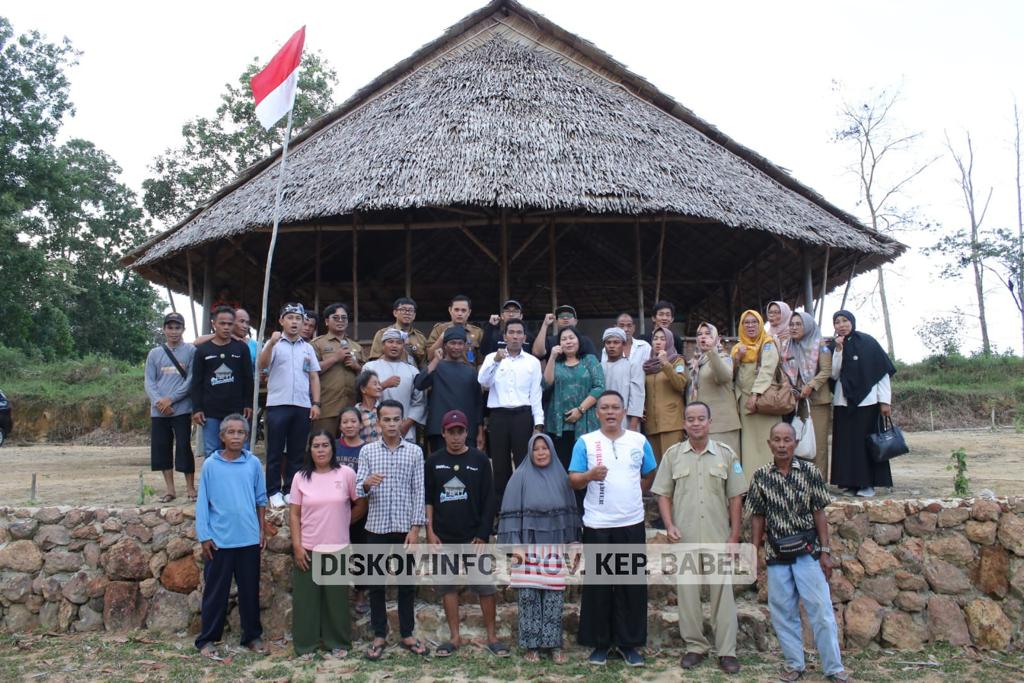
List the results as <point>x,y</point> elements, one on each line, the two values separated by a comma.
<point>20,619</point>
<point>986,510</point>
<point>855,529</point>
<point>180,575</point>
<point>97,586</point>
<point>88,620</point>
<point>50,515</point>
<point>988,626</point>
<point>983,533</point>
<point>901,631</point>
<point>151,519</point>
<point>148,588</point>
<point>50,536</point>
<point>875,558</point>
<point>15,587</point>
<point>881,588</point>
<point>953,548</point>
<point>139,531</point>
<point>123,606</point>
<point>943,577</point>
<point>91,552</point>
<point>61,561</point>
<point>921,524</point>
<point>161,534</point>
<point>86,532</point>
<point>911,553</point>
<point>112,524</point>
<point>908,581</point>
<point>21,556</point>
<point>994,571</point>
<point>66,614</point>
<point>178,547</point>
<point>157,561</point>
<point>887,512</point>
<point>854,571</point>
<point>50,588</point>
<point>126,560</point>
<point>279,544</point>
<point>840,587</point>
<point>1011,534</point>
<point>23,528</point>
<point>886,534</point>
<point>76,588</point>
<point>950,517</point>
<point>281,566</point>
<point>911,601</point>
<point>946,622</point>
<point>1017,581</point>
<point>278,620</point>
<point>173,515</point>
<point>78,516</point>
<point>48,616</point>
<point>170,613</point>
<point>863,620</point>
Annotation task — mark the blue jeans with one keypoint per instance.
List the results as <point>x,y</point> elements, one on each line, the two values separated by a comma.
<point>211,435</point>
<point>787,585</point>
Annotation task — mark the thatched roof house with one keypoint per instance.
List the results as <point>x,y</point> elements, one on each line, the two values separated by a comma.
<point>510,157</point>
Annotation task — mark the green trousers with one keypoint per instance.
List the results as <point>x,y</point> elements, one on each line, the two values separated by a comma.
<point>319,614</point>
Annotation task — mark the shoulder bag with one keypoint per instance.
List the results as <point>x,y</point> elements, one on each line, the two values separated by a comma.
<point>779,398</point>
<point>888,443</point>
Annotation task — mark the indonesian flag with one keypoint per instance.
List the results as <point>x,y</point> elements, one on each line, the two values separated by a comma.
<point>274,87</point>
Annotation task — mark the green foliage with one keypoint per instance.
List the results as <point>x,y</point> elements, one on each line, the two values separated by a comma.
<point>959,468</point>
<point>942,335</point>
<point>70,381</point>
<point>217,149</point>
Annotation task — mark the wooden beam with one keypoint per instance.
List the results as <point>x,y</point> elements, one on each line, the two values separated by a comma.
<point>408,261</point>
<point>207,288</point>
<point>504,263</point>
<point>476,240</point>
<point>849,281</point>
<point>805,255</point>
<point>661,260</point>
<point>824,287</point>
<point>529,240</point>
<point>355,276</point>
<point>477,223</point>
<point>551,266</point>
<point>639,282</point>
<point>316,275</point>
<point>191,294</point>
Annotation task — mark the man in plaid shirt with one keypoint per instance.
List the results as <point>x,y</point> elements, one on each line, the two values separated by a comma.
<point>391,477</point>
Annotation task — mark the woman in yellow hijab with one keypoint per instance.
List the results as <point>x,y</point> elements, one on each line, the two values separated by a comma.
<point>755,358</point>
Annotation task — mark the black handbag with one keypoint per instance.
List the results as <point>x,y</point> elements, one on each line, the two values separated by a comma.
<point>792,547</point>
<point>888,443</point>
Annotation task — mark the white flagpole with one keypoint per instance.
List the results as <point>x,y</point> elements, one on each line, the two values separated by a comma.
<point>266,278</point>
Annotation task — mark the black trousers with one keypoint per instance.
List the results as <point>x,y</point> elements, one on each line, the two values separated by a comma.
<point>508,431</point>
<point>564,443</point>
<point>378,597</point>
<point>170,444</point>
<point>244,565</point>
<point>613,614</point>
<point>287,427</point>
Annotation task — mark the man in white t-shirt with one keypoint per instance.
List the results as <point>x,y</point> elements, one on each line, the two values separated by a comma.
<point>615,467</point>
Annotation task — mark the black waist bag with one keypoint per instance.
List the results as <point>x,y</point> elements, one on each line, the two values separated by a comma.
<point>792,547</point>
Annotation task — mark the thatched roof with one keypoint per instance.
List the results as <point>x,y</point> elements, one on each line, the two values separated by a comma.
<point>508,111</point>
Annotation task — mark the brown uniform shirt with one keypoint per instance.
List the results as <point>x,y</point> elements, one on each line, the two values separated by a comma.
<point>416,345</point>
<point>337,383</point>
<point>475,336</point>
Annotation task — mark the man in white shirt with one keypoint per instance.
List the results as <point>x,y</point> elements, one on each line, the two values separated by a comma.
<point>513,380</point>
<point>616,467</point>
<point>623,376</point>
<point>396,379</point>
<point>635,349</point>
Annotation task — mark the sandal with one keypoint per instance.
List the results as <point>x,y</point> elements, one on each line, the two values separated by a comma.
<point>531,656</point>
<point>376,651</point>
<point>210,652</point>
<point>415,647</point>
<point>193,496</point>
<point>787,674</point>
<point>498,649</point>
<point>558,656</point>
<point>167,497</point>
<point>338,653</point>
<point>446,650</point>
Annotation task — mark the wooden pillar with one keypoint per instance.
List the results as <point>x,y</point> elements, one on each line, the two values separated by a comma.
<point>551,266</point>
<point>824,287</point>
<point>208,287</point>
<point>639,277</point>
<point>661,259</point>
<point>805,255</point>
<point>503,256</point>
<point>316,286</point>
<point>408,260</point>
<point>849,281</point>
<point>355,275</point>
<point>191,293</point>
<point>733,301</point>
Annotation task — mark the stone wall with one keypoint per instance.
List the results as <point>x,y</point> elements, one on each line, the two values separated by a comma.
<point>908,572</point>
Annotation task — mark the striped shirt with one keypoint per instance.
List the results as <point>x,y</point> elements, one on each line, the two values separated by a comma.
<point>397,503</point>
<point>543,567</point>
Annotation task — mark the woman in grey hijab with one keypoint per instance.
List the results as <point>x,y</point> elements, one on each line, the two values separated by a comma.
<point>540,518</point>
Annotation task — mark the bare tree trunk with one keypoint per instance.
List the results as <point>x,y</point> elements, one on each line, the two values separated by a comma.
<point>885,314</point>
<point>1020,221</point>
<point>979,289</point>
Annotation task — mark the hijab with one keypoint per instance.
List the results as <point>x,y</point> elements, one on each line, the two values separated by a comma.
<point>539,505</point>
<point>753,344</point>
<point>865,362</point>
<point>800,358</point>
<point>653,364</point>
<point>700,358</point>
<point>780,331</point>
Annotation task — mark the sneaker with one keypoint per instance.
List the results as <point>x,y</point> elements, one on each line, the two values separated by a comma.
<point>842,676</point>
<point>868,492</point>
<point>632,657</point>
<point>277,500</point>
<point>599,657</point>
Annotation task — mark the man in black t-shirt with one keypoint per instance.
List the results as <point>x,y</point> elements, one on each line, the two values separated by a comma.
<point>222,377</point>
<point>563,317</point>
<point>460,509</point>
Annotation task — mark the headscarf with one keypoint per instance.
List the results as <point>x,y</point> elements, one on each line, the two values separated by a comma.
<point>700,358</point>
<point>653,364</point>
<point>864,363</point>
<point>753,344</point>
<point>780,331</point>
<point>539,505</point>
<point>800,358</point>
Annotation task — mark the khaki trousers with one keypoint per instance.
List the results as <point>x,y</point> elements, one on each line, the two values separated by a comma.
<point>723,619</point>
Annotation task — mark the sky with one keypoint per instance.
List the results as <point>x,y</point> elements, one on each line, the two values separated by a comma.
<point>765,74</point>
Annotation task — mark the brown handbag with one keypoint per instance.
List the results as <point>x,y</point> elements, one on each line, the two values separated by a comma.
<point>780,396</point>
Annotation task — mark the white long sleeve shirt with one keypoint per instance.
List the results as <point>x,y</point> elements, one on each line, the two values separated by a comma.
<point>880,393</point>
<point>512,383</point>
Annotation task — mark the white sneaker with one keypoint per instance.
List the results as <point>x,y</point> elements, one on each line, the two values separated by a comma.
<point>287,499</point>
<point>868,492</point>
<point>277,500</point>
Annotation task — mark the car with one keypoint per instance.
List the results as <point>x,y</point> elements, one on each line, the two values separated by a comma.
<point>6,421</point>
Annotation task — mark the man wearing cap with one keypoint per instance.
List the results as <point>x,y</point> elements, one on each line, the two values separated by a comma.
<point>459,311</point>
<point>495,329</point>
<point>512,378</point>
<point>397,379</point>
<point>624,377</point>
<point>340,362</point>
<point>453,386</point>
<point>415,350</point>
<point>293,399</point>
<point>563,317</point>
<point>168,384</point>
<point>460,510</point>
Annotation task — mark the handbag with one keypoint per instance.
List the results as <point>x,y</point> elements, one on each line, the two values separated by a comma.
<point>792,547</point>
<point>779,398</point>
<point>888,443</point>
<point>806,447</point>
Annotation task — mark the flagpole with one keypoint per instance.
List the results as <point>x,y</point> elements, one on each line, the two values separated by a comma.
<point>266,278</point>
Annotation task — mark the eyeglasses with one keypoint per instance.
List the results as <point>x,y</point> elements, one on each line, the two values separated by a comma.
<point>406,309</point>
<point>566,316</point>
<point>338,318</point>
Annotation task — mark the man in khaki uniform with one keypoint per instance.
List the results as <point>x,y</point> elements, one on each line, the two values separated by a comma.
<point>700,484</point>
<point>415,352</point>
<point>340,359</point>
<point>459,311</point>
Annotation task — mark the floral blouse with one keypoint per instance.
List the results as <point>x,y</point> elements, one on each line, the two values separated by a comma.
<point>572,385</point>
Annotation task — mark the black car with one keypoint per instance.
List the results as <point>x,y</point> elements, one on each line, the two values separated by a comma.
<point>6,421</point>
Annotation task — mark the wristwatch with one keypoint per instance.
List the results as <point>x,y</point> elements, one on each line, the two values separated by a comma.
<point>825,549</point>
<point>316,403</point>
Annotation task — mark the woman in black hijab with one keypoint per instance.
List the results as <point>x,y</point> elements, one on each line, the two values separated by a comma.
<point>863,394</point>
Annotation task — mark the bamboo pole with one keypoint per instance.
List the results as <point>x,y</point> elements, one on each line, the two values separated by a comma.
<point>661,259</point>
<point>639,275</point>
<point>316,285</point>
<point>824,287</point>
<point>551,266</point>
<point>808,282</point>
<point>170,298</point>
<point>207,290</point>
<point>503,264</point>
<point>408,261</point>
<point>191,294</point>
<point>846,292</point>
<point>355,276</point>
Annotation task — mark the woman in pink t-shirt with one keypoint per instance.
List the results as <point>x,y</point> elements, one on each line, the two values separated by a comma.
<point>323,502</point>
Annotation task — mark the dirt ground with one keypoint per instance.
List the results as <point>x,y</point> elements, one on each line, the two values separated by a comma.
<point>76,474</point>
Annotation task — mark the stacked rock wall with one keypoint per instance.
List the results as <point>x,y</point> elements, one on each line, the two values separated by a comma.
<point>907,573</point>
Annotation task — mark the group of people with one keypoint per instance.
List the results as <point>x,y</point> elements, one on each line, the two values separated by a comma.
<point>528,430</point>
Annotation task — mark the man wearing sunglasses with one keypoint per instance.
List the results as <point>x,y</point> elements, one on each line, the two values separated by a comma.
<point>415,351</point>
<point>341,359</point>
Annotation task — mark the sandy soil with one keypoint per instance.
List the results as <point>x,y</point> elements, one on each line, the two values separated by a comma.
<point>101,475</point>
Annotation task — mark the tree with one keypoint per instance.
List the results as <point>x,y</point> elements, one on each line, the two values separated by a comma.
<point>871,130</point>
<point>217,149</point>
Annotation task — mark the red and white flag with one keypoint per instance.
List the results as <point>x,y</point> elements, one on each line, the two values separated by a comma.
<point>274,87</point>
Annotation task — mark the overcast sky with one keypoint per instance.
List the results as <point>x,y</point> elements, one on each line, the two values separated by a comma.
<point>763,73</point>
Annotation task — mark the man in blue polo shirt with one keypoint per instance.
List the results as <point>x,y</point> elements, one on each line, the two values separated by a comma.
<point>616,467</point>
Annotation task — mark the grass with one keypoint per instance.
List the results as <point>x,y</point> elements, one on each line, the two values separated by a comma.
<point>112,657</point>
